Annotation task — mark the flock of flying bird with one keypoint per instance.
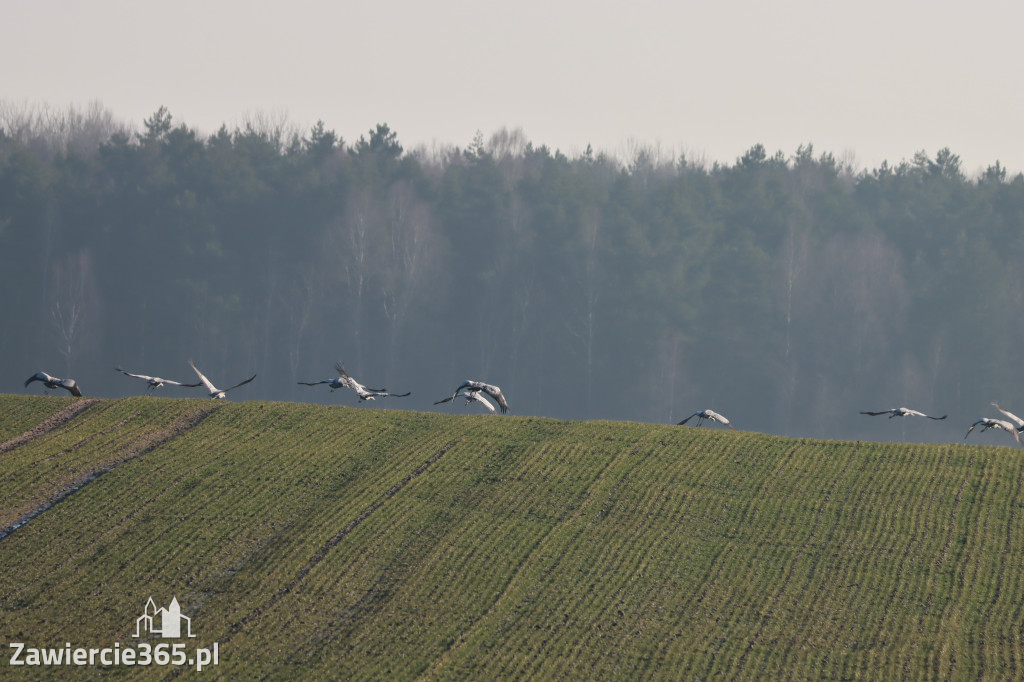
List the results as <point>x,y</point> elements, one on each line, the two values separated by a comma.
<point>1014,426</point>
<point>474,391</point>
<point>469,389</point>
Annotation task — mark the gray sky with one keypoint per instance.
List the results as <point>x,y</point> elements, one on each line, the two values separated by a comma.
<point>868,80</point>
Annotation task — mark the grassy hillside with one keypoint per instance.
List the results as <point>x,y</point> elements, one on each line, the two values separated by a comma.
<point>312,541</point>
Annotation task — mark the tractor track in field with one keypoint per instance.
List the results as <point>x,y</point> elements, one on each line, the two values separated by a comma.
<point>71,558</point>
<point>88,439</point>
<point>137,448</point>
<point>51,423</point>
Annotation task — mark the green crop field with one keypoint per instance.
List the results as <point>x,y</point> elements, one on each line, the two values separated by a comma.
<point>314,542</point>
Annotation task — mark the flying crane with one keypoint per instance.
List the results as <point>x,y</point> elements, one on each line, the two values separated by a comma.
<point>470,396</point>
<point>216,393</point>
<point>903,412</point>
<point>154,383</point>
<point>989,423</point>
<point>709,415</point>
<point>345,380</point>
<point>49,381</point>
<point>470,386</point>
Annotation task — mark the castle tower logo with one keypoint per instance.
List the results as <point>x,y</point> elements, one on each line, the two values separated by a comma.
<point>164,622</point>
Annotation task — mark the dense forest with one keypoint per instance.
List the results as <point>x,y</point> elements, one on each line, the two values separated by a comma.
<point>788,290</point>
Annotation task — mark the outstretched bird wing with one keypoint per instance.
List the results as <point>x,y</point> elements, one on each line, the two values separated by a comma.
<point>71,386</point>
<point>469,396</point>
<point>496,393</point>
<point>243,383</point>
<point>346,378</point>
<point>172,382</point>
<point>137,376</point>
<point>916,413</point>
<point>475,396</point>
<point>1007,426</point>
<point>202,377</point>
<point>875,414</point>
<point>688,418</point>
<point>41,376</point>
<point>1010,415</point>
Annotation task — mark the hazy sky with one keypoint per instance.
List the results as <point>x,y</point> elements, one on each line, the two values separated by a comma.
<point>871,80</point>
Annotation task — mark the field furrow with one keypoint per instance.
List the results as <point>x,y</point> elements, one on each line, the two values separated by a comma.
<point>27,420</point>
<point>70,457</point>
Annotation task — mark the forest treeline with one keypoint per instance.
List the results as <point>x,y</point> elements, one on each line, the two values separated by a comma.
<point>788,291</point>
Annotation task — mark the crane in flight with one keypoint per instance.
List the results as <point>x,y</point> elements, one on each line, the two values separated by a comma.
<point>216,393</point>
<point>334,383</point>
<point>69,385</point>
<point>989,423</point>
<point>470,396</point>
<point>154,383</point>
<point>470,386</point>
<point>709,415</point>
<point>345,380</point>
<point>903,412</point>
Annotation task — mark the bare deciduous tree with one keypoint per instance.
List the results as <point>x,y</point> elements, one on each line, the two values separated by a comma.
<point>74,302</point>
<point>410,253</point>
<point>53,130</point>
